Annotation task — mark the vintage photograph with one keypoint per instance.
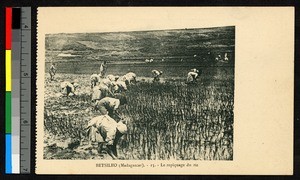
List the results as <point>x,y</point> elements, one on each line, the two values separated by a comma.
<point>140,95</point>
<point>164,90</point>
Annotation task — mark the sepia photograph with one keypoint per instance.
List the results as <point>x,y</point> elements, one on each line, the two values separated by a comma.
<point>140,95</point>
<point>164,90</point>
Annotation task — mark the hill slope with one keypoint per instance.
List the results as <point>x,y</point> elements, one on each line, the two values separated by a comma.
<point>169,44</point>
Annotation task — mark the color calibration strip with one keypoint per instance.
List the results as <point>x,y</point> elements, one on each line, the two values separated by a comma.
<point>8,140</point>
<point>17,100</point>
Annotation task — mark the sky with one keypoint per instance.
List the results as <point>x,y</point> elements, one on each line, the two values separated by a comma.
<point>116,19</point>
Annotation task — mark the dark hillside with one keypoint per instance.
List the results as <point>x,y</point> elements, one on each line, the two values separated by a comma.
<point>184,46</point>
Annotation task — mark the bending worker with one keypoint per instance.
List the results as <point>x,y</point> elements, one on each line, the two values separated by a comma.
<point>109,105</point>
<point>100,92</point>
<point>192,76</point>
<point>67,87</point>
<point>110,132</point>
<point>156,75</point>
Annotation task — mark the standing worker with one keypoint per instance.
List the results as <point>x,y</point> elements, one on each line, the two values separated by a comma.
<point>52,71</point>
<point>103,68</point>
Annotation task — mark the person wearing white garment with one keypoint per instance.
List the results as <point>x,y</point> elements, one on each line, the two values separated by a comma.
<point>119,86</point>
<point>110,133</point>
<point>101,91</point>
<point>52,71</point>
<point>68,87</point>
<point>103,68</point>
<point>156,75</point>
<point>192,76</point>
<point>109,105</point>
<point>95,79</point>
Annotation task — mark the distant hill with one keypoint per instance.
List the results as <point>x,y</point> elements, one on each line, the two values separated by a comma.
<point>180,44</point>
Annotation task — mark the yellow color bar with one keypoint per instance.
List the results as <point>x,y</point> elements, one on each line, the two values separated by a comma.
<point>8,70</point>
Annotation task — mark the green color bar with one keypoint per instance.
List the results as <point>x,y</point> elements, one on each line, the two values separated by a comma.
<point>8,112</point>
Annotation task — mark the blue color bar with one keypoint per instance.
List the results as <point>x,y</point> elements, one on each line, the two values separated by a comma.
<point>8,158</point>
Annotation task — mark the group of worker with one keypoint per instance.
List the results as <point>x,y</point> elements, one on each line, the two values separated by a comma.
<point>108,126</point>
<point>192,76</point>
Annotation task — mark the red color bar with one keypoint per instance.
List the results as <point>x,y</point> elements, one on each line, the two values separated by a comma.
<point>8,26</point>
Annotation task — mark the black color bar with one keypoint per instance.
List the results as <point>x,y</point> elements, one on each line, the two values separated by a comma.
<point>16,18</point>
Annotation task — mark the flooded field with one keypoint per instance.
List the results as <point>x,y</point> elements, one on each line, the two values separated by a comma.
<point>168,120</point>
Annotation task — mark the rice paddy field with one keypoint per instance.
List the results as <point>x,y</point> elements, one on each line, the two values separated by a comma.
<point>166,120</point>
